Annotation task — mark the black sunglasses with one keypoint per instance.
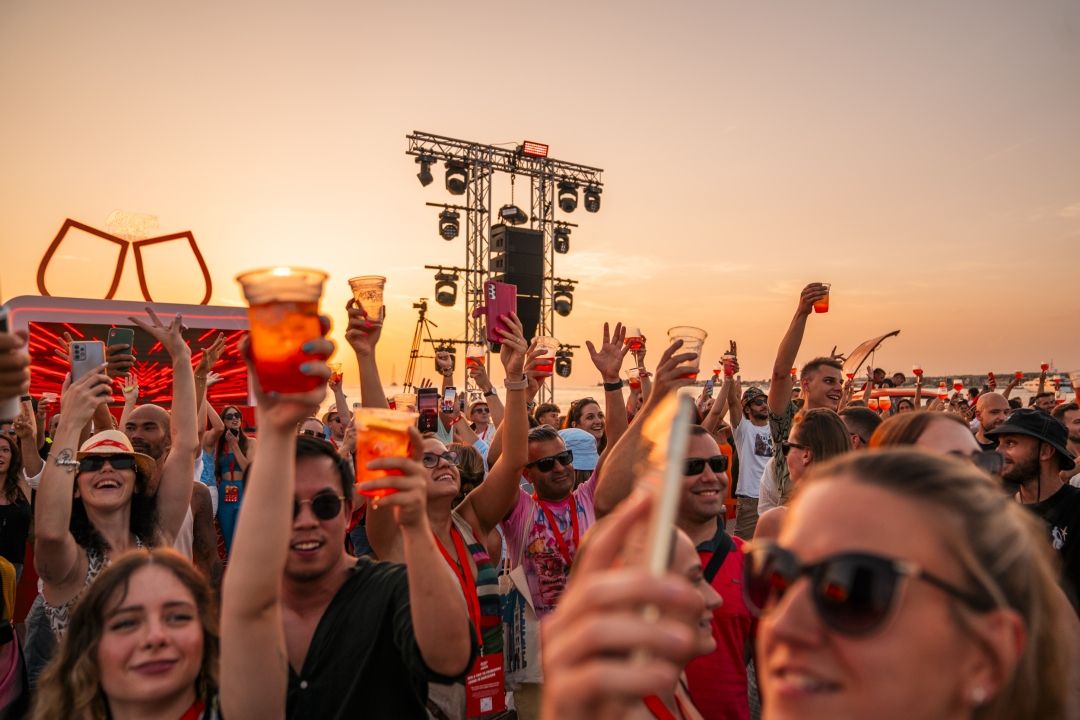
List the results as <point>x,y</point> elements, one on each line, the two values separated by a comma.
<point>989,461</point>
<point>431,459</point>
<point>93,463</point>
<point>696,466</point>
<point>565,458</point>
<point>231,416</point>
<point>325,505</point>
<point>853,593</point>
<point>319,435</point>
<point>786,446</point>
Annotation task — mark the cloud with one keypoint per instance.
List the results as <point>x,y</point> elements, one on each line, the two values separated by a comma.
<point>1071,211</point>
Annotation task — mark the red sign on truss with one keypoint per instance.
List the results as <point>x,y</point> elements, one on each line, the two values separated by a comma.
<point>534,149</point>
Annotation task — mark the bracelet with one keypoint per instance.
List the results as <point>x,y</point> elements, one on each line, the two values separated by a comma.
<point>454,422</point>
<point>613,386</point>
<point>516,384</point>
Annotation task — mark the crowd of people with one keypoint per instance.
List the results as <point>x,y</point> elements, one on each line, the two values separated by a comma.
<point>833,557</point>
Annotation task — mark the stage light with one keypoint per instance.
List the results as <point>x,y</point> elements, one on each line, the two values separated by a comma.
<point>592,198</point>
<point>563,363</point>
<point>513,214</point>
<point>563,299</point>
<point>448,224</point>
<point>425,176</point>
<point>457,177</point>
<point>446,288</point>
<point>561,239</point>
<point>567,196</point>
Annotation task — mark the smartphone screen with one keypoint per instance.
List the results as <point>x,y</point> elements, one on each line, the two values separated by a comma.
<point>448,398</point>
<point>427,403</point>
<point>707,392</point>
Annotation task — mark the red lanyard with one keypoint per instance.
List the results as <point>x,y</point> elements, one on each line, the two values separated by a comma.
<point>560,541</point>
<point>194,711</point>
<point>463,573</point>
<point>659,710</point>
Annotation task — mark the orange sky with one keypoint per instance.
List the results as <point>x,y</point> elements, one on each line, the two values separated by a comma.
<point>923,157</point>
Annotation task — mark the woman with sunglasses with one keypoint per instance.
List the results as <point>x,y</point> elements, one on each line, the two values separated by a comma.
<point>905,585</point>
<point>107,499</point>
<point>143,643</point>
<point>817,435</point>
<point>462,532</point>
<point>232,450</point>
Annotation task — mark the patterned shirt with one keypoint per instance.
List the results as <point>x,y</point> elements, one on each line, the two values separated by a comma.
<point>780,425</point>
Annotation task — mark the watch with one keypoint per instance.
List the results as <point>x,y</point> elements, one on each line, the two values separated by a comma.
<point>516,384</point>
<point>490,392</point>
<point>612,386</point>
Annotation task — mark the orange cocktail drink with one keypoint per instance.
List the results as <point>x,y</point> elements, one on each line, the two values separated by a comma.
<point>380,433</point>
<point>547,346</point>
<point>822,305</point>
<point>283,314</point>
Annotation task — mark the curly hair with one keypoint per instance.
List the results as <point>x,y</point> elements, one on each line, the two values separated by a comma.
<point>70,687</point>
<point>12,491</point>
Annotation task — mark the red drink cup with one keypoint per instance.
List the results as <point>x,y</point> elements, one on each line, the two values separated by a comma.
<point>283,314</point>
<point>1045,366</point>
<point>693,341</point>
<point>957,385</point>
<point>942,390</point>
<point>728,361</point>
<point>1019,375</point>
<point>548,346</point>
<point>380,433</point>
<point>822,305</point>
<point>634,339</point>
<point>917,370</point>
<point>633,378</point>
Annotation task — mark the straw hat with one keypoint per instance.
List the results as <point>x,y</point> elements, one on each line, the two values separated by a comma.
<point>114,442</point>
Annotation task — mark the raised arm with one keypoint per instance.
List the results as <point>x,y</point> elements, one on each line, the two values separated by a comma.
<point>56,555</point>
<point>494,498</point>
<point>715,417</point>
<point>363,335</point>
<point>174,485</point>
<point>26,429</point>
<point>253,635</point>
<point>480,376</point>
<point>130,389</point>
<point>782,382</point>
<point>615,471</point>
<point>608,361</point>
<point>918,392</point>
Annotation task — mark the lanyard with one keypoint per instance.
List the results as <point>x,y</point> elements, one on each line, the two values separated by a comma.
<point>463,573</point>
<point>194,711</point>
<point>659,710</point>
<point>560,541</point>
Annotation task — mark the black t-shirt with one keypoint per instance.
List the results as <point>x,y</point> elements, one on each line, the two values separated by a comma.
<point>363,661</point>
<point>991,445</point>
<point>1061,513</point>
<point>14,529</point>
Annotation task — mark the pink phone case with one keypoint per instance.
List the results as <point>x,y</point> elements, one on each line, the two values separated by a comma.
<point>499,299</point>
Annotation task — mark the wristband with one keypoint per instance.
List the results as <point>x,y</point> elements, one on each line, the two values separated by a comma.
<point>613,386</point>
<point>516,384</point>
<point>454,422</point>
<point>490,392</point>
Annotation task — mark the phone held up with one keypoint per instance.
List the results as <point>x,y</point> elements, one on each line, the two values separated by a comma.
<point>427,403</point>
<point>86,356</point>
<point>448,398</point>
<point>499,299</point>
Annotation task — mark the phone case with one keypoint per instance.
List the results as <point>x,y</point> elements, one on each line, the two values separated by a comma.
<point>499,299</point>
<point>120,336</point>
<point>86,356</point>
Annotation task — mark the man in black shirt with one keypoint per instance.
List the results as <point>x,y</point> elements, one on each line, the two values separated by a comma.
<point>304,621</point>
<point>1033,447</point>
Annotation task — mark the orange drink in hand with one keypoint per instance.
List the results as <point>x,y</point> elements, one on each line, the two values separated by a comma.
<point>380,433</point>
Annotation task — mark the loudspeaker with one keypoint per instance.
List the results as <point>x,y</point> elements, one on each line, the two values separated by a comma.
<point>517,256</point>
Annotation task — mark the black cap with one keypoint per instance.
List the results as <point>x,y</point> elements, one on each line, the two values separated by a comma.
<point>1038,424</point>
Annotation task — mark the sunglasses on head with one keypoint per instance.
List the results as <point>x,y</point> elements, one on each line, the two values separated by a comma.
<point>565,458</point>
<point>696,466</point>
<point>431,459</point>
<point>853,593</point>
<point>231,416</point>
<point>93,463</point>
<point>324,506</point>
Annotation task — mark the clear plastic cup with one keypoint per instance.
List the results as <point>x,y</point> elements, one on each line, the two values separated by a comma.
<point>283,314</point>
<point>475,355</point>
<point>405,402</point>
<point>693,341</point>
<point>822,305</point>
<point>368,292</point>
<point>546,361</point>
<point>380,433</point>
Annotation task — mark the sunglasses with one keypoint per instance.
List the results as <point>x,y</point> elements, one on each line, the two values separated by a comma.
<point>853,593</point>
<point>325,505</point>
<point>313,433</point>
<point>989,461</point>
<point>231,416</point>
<point>696,466</point>
<point>431,459</point>
<point>565,458</point>
<point>786,446</point>
<point>481,410</point>
<point>758,401</point>
<point>93,463</point>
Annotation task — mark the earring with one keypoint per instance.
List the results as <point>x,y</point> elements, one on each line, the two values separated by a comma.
<point>978,695</point>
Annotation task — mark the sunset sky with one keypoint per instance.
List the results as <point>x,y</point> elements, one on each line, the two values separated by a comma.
<point>922,156</point>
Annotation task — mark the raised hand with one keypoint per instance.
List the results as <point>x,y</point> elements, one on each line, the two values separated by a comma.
<point>210,356</point>
<point>213,378</point>
<point>25,425</point>
<point>671,373</point>
<point>444,363</point>
<point>14,365</point>
<point>810,295</point>
<point>514,347</point>
<point>284,411</point>
<point>131,389</point>
<point>480,375</point>
<point>609,358</point>
<point>410,500</point>
<point>169,335</point>
<point>81,398</point>
<point>362,333</point>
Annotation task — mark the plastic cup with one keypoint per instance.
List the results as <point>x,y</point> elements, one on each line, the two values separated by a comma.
<point>380,433</point>
<point>693,341</point>
<point>368,292</point>
<point>633,378</point>
<point>545,363</point>
<point>405,402</point>
<point>822,305</point>
<point>283,314</point>
<point>1019,375</point>
<point>475,355</point>
<point>335,372</point>
<point>728,362</point>
<point>957,385</point>
<point>1044,366</point>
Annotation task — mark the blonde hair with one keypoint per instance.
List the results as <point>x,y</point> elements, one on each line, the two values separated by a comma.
<point>70,687</point>
<point>1003,550</point>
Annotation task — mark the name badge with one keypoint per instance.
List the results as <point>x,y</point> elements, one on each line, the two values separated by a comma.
<point>485,689</point>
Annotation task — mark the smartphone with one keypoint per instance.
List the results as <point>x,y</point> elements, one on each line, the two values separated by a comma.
<point>120,336</point>
<point>427,403</point>
<point>86,356</point>
<point>707,391</point>
<point>499,299</point>
<point>9,407</point>
<point>448,398</point>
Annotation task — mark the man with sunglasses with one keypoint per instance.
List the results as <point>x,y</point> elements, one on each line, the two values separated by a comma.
<point>1032,444</point>
<point>821,380</point>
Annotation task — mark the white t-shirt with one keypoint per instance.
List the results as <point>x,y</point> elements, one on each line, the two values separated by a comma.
<point>768,494</point>
<point>755,447</point>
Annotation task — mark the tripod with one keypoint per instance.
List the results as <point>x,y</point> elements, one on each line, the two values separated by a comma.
<point>422,325</point>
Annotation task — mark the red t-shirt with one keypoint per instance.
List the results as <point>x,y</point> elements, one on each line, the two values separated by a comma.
<point>717,681</point>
